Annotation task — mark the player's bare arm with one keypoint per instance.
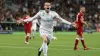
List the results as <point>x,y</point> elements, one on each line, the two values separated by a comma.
<point>74,24</point>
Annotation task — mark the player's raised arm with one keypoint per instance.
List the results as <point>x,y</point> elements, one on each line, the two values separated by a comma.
<point>62,20</point>
<point>32,18</point>
<point>29,19</point>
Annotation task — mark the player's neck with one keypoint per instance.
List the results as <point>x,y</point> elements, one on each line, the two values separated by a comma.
<point>47,11</point>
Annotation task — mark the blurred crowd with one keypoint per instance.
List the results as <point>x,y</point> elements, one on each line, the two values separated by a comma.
<point>68,9</point>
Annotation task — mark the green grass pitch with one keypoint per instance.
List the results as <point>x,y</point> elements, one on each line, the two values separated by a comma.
<point>13,45</point>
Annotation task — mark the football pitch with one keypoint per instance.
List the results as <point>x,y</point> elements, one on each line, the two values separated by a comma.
<point>13,45</point>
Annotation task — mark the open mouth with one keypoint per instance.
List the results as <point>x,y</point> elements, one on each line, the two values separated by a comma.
<point>47,8</point>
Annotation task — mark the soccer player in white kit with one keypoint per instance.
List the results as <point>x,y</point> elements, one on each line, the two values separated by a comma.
<point>46,25</point>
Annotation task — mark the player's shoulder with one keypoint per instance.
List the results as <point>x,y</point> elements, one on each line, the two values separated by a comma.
<point>41,10</point>
<point>79,14</point>
<point>53,12</point>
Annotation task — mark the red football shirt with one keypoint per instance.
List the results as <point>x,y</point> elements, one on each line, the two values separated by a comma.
<point>78,20</point>
<point>79,23</point>
<point>27,25</point>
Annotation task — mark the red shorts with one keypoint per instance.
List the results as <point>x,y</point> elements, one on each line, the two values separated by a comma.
<point>79,31</point>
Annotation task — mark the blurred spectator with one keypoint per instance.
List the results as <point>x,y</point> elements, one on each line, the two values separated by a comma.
<point>9,17</point>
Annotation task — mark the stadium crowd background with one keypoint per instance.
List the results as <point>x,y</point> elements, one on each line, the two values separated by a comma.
<point>11,9</point>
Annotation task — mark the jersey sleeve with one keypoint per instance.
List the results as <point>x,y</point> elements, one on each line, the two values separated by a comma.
<point>32,18</point>
<point>61,19</point>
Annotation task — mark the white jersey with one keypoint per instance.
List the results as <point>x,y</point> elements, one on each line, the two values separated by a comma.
<point>46,19</point>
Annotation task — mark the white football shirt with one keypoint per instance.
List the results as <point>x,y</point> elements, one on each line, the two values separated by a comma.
<point>46,21</point>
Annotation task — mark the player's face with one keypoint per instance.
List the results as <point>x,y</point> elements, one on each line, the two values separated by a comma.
<point>47,6</point>
<point>83,9</point>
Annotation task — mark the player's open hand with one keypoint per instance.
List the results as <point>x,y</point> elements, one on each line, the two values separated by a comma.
<point>74,25</point>
<point>87,26</point>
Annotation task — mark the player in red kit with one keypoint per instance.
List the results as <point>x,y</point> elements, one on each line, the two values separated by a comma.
<point>79,29</point>
<point>27,27</point>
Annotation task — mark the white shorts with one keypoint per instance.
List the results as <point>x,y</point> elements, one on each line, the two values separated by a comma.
<point>48,34</point>
<point>34,27</point>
